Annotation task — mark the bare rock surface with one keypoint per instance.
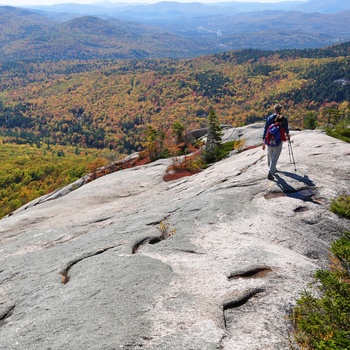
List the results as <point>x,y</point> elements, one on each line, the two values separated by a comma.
<point>87,270</point>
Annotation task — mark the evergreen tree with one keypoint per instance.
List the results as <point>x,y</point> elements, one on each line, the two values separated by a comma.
<point>214,137</point>
<point>154,144</point>
<point>178,132</point>
<point>310,121</point>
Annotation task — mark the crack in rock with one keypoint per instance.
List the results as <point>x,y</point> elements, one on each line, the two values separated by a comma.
<point>100,220</point>
<point>154,223</point>
<point>242,299</point>
<point>189,251</point>
<point>9,278</point>
<point>6,314</point>
<point>252,164</point>
<point>252,272</point>
<point>143,241</point>
<point>300,209</point>
<point>239,301</point>
<point>312,255</point>
<point>239,185</point>
<point>65,271</point>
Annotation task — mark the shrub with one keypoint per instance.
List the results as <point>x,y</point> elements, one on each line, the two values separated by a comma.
<point>340,131</point>
<point>341,206</point>
<point>222,150</point>
<point>192,163</point>
<point>165,229</point>
<point>187,166</point>
<point>324,322</point>
<point>95,164</point>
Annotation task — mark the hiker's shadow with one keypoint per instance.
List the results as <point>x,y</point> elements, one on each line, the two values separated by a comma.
<point>286,187</point>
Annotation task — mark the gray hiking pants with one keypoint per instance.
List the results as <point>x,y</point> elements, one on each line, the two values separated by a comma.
<point>273,153</point>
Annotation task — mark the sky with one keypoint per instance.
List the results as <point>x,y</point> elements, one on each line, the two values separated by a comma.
<point>51,2</point>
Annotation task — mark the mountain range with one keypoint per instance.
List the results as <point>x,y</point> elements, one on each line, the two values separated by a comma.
<point>174,8</point>
<point>167,29</point>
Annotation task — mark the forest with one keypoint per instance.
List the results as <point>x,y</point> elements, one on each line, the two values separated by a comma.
<point>30,171</point>
<point>102,109</point>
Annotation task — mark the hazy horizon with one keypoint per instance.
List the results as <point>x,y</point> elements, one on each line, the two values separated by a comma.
<point>89,2</point>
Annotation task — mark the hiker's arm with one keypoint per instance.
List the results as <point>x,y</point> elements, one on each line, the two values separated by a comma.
<point>264,134</point>
<point>267,124</point>
<point>263,139</point>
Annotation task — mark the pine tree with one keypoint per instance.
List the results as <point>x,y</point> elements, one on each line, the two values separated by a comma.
<point>310,121</point>
<point>214,137</point>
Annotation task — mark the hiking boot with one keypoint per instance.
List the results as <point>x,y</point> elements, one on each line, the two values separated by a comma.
<point>270,176</point>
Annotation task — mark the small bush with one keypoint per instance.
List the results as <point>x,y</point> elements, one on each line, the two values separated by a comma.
<point>340,131</point>
<point>187,166</point>
<point>165,229</point>
<point>341,206</point>
<point>193,164</point>
<point>324,322</point>
<point>94,165</point>
<point>222,150</point>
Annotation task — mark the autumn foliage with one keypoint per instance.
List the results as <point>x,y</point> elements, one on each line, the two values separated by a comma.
<point>112,104</point>
<point>66,118</point>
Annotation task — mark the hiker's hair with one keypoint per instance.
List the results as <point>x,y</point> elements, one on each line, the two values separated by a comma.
<point>277,107</point>
<point>279,118</point>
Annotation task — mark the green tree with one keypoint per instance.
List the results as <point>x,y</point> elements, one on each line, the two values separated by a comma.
<point>310,121</point>
<point>181,145</point>
<point>178,132</point>
<point>214,138</point>
<point>154,144</point>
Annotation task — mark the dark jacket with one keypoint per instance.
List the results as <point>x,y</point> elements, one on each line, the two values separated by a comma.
<point>270,120</point>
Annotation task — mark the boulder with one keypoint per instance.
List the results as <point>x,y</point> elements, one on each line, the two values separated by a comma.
<point>211,261</point>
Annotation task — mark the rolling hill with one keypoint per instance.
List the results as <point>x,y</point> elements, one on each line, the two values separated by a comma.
<point>26,35</point>
<point>160,30</point>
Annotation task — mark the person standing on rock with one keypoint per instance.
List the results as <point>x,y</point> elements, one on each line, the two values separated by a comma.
<point>276,131</point>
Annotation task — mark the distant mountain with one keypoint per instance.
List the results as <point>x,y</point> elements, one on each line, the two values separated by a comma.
<point>260,29</point>
<point>16,23</point>
<point>26,35</point>
<point>92,25</point>
<point>195,8</point>
<point>323,6</point>
<point>166,29</point>
<point>283,30</point>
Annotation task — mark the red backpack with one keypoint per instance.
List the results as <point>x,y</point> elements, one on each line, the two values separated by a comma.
<point>273,135</point>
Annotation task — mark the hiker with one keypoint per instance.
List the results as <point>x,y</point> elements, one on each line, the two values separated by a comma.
<point>276,131</point>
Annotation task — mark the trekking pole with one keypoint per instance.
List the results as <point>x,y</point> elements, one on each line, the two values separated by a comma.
<point>291,155</point>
